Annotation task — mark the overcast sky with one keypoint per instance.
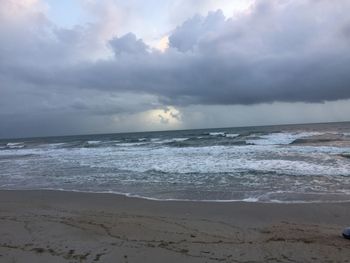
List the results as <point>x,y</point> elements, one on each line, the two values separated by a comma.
<point>100,66</point>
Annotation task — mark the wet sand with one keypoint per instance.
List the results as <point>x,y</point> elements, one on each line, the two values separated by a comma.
<point>53,226</point>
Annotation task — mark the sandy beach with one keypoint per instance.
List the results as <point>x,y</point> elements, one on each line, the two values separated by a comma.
<point>53,226</point>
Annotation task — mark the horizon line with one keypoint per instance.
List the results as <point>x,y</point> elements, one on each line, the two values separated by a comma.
<point>175,130</point>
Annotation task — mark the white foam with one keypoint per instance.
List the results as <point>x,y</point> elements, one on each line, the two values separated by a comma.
<point>179,139</point>
<point>251,166</point>
<point>93,142</point>
<point>251,199</point>
<point>55,144</point>
<point>280,138</point>
<point>217,133</point>
<point>15,145</point>
<point>159,141</point>
<point>214,159</point>
<point>232,135</point>
<point>209,159</point>
<point>128,144</point>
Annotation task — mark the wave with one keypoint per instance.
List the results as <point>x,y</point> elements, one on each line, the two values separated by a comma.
<point>322,138</point>
<point>280,138</point>
<point>223,134</point>
<point>15,144</point>
<point>17,156</point>
<point>217,134</point>
<point>345,155</point>
<point>180,139</point>
<point>257,139</point>
<point>232,135</point>
<point>128,144</point>
<point>93,142</point>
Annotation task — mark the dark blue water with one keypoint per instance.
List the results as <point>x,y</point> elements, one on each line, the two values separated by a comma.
<point>294,163</point>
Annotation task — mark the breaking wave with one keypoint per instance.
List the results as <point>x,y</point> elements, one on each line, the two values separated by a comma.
<point>276,164</point>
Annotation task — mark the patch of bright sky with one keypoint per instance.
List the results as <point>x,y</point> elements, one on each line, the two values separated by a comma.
<point>66,13</point>
<point>234,8</point>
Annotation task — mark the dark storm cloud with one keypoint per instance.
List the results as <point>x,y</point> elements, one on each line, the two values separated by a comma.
<point>282,51</point>
<point>286,51</point>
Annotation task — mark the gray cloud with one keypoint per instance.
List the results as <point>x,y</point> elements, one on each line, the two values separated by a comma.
<point>128,44</point>
<point>279,51</point>
<point>197,30</point>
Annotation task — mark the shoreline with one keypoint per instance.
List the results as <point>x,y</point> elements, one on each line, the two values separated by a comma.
<point>246,200</point>
<point>65,226</point>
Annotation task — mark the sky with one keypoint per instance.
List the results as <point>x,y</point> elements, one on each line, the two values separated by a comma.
<point>104,66</point>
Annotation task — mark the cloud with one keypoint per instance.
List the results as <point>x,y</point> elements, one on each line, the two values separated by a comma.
<point>279,51</point>
<point>187,36</point>
<point>275,51</point>
<point>128,44</point>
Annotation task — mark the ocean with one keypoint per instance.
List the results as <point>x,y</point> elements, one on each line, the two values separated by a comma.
<point>289,163</point>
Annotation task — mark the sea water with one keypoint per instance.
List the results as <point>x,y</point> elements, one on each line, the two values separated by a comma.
<point>291,163</point>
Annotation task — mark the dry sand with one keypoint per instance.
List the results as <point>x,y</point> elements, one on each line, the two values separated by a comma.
<point>52,226</point>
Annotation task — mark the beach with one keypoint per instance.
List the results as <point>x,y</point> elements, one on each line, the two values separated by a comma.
<point>174,131</point>
<point>59,226</point>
